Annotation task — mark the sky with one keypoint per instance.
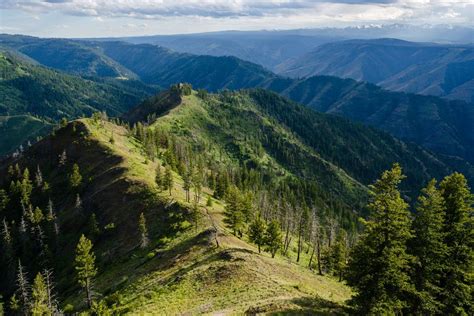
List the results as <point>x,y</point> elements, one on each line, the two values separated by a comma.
<point>100,18</point>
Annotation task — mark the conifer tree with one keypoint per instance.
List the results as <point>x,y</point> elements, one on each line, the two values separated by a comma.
<point>93,228</point>
<point>39,295</point>
<point>197,185</point>
<point>144,241</point>
<point>4,199</point>
<point>168,180</point>
<point>75,178</point>
<point>187,183</point>
<point>63,158</point>
<point>85,266</point>
<point>429,250</point>
<point>302,227</point>
<point>37,216</point>
<point>159,178</point>
<point>458,279</point>
<point>26,187</point>
<point>257,232</point>
<point>273,237</point>
<point>38,177</point>
<point>339,254</point>
<point>378,269</point>
<point>233,215</point>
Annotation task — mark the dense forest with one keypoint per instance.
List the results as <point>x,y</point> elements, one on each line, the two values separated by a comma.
<point>197,189</point>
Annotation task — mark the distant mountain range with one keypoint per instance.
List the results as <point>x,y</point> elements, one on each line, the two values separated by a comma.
<point>273,47</point>
<point>424,68</point>
<point>446,127</point>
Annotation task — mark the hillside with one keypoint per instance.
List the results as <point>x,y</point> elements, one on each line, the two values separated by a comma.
<point>182,269</point>
<point>200,158</point>
<point>258,128</point>
<point>423,68</point>
<point>19,129</point>
<point>67,55</point>
<point>30,90</point>
<point>439,125</point>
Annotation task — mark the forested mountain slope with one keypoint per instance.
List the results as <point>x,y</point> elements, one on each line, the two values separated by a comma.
<point>66,55</point>
<point>443,126</point>
<point>96,178</point>
<point>28,90</point>
<point>423,68</point>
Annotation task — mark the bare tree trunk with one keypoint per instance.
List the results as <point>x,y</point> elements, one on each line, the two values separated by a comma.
<point>311,258</point>
<point>88,293</point>
<point>320,271</point>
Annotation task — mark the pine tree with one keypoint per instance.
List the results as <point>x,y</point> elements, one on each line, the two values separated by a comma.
<point>429,250</point>
<point>144,241</point>
<point>458,279</point>
<point>75,178</point>
<point>26,187</point>
<point>39,295</point>
<point>233,215</point>
<point>63,158</point>
<point>38,177</point>
<point>4,199</point>
<point>273,237</point>
<point>339,254</point>
<point>159,178</point>
<point>378,268</point>
<point>85,266</point>
<point>187,183</point>
<point>302,227</point>
<point>37,216</point>
<point>93,228</point>
<point>257,232</point>
<point>168,180</point>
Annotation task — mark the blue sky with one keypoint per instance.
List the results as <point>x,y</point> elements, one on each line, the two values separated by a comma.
<point>95,18</point>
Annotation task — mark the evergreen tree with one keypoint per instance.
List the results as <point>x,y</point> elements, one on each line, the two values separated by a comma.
<point>37,216</point>
<point>378,269</point>
<point>458,278</point>
<point>233,215</point>
<point>159,177</point>
<point>302,227</point>
<point>273,237</point>
<point>187,183</point>
<point>168,180</point>
<point>75,178</point>
<point>429,250</point>
<point>93,228</point>
<point>257,232</point>
<point>26,187</point>
<point>63,158</point>
<point>38,177</point>
<point>39,295</point>
<point>144,241</point>
<point>4,199</point>
<point>85,266</point>
<point>339,254</point>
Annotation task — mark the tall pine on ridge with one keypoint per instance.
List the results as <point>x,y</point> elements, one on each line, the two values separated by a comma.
<point>378,269</point>
<point>429,250</point>
<point>458,279</point>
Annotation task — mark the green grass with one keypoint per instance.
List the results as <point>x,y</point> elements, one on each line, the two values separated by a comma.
<point>187,273</point>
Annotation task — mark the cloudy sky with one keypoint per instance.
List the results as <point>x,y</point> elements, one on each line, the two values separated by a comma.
<point>91,18</point>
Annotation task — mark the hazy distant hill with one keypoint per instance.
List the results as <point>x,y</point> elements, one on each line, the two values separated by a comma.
<point>424,68</point>
<point>273,47</point>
